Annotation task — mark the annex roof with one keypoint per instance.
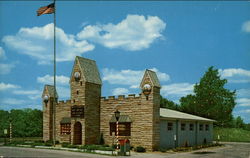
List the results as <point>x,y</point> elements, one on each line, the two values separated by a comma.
<point>177,115</point>
<point>122,118</point>
<point>65,120</point>
<point>89,70</point>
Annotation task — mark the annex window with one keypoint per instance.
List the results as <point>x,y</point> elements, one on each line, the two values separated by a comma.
<point>207,127</point>
<point>170,126</point>
<point>65,128</point>
<point>201,127</point>
<point>191,127</point>
<point>124,128</point>
<point>183,126</point>
<point>77,92</point>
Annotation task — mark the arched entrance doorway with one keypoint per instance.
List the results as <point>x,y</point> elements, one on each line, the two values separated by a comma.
<point>77,133</point>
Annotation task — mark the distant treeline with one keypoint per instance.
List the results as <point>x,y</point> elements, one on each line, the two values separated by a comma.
<point>25,122</point>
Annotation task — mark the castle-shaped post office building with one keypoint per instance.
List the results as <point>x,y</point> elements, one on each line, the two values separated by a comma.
<point>87,115</point>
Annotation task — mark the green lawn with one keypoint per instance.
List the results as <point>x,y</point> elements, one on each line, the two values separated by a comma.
<point>232,134</point>
<point>24,139</point>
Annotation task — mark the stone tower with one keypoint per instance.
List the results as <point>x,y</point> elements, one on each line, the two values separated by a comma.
<point>150,99</point>
<point>48,100</point>
<point>85,85</point>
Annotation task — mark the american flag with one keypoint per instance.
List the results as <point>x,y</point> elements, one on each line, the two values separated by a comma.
<point>49,9</point>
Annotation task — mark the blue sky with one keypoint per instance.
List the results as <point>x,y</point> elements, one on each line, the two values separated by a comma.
<point>178,40</point>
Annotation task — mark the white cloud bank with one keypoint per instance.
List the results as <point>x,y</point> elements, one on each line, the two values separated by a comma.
<point>246,27</point>
<point>136,32</point>
<point>47,79</point>
<point>37,42</point>
<point>129,77</point>
<point>177,89</point>
<point>243,101</point>
<point>62,84</point>
<point>7,86</point>
<point>6,68</point>
<point>2,53</point>
<point>235,75</point>
<point>120,91</point>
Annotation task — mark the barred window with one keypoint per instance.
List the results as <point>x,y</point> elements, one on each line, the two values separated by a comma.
<point>183,126</point>
<point>207,127</point>
<point>65,128</point>
<point>201,127</point>
<point>170,126</point>
<point>191,127</point>
<point>124,128</point>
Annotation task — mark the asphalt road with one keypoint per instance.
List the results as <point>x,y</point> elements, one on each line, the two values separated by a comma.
<point>230,150</point>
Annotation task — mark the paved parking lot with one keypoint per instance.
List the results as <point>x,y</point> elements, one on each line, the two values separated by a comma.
<point>230,150</point>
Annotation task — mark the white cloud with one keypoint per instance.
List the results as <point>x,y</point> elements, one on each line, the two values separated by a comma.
<point>246,27</point>
<point>47,79</point>
<point>13,101</point>
<point>243,101</point>
<point>37,42</point>
<point>234,75</point>
<point>177,89</point>
<point>243,93</point>
<point>4,86</point>
<point>26,92</point>
<point>63,92</point>
<point>2,53</point>
<point>62,84</point>
<point>136,32</point>
<point>244,111</point>
<point>120,91</point>
<point>129,77</point>
<point>6,68</point>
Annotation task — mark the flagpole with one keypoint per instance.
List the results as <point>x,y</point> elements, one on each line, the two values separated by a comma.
<point>54,105</point>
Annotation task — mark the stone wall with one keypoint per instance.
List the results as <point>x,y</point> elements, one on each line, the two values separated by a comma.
<point>62,110</point>
<point>47,120</point>
<point>141,111</point>
<point>92,113</point>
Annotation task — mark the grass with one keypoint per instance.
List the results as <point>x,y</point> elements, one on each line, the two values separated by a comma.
<point>232,134</point>
<point>23,139</point>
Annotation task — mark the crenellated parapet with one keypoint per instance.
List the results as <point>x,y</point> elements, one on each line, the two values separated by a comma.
<point>62,102</point>
<point>121,97</point>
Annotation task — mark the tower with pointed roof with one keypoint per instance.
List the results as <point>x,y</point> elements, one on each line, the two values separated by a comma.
<point>85,85</point>
<point>150,98</point>
<point>48,100</point>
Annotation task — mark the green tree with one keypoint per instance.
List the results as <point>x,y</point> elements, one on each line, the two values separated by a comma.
<point>4,122</point>
<point>239,123</point>
<point>26,122</point>
<point>165,103</point>
<point>211,99</point>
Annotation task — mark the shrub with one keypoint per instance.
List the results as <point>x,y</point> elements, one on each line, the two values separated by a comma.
<point>48,143</point>
<point>163,150</point>
<point>39,141</point>
<point>72,146</point>
<point>101,139</point>
<point>65,144</point>
<point>93,147</point>
<point>105,145</point>
<point>140,149</point>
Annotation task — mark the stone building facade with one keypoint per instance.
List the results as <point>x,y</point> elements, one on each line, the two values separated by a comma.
<point>87,115</point>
